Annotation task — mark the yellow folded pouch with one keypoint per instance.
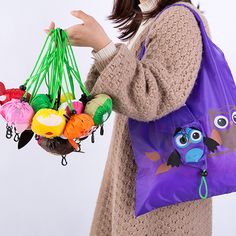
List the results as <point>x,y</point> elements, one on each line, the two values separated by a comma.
<point>49,123</point>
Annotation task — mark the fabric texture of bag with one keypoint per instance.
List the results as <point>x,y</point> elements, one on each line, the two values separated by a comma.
<point>189,154</point>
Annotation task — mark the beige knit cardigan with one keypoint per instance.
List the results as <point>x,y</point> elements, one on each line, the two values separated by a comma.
<point>147,90</point>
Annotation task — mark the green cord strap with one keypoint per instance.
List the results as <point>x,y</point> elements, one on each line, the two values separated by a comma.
<point>44,46</point>
<point>203,183</point>
<point>55,68</point>
<point>37,79</point>
<point>72,57</point>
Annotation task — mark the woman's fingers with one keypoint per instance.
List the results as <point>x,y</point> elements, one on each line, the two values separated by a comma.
<point>88,34</point>
<point>81,15</point>
<point>74,31</point>
<point>51,26</point>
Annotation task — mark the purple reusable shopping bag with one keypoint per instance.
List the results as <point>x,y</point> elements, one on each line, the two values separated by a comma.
<point>189,154</point>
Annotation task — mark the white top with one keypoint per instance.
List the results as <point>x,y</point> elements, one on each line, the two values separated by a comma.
<point>145,7</point>
<point>110,49</point>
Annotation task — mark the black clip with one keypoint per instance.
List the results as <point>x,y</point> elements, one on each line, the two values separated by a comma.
<point>102,129</point>
<point>16,137</point>
<point>64,161</point>
<point>9,132</point>
<point>92,137</point>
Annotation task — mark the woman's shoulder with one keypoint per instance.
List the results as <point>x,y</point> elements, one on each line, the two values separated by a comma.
<point>179,16</point>
<point>201,14</point>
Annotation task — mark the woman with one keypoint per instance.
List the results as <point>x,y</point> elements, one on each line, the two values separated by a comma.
<point>140,90</point>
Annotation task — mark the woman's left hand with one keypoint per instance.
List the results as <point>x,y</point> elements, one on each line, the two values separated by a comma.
<point>88,34</point>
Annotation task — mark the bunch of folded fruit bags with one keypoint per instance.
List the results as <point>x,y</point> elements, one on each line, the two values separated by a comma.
<point>47,107</point>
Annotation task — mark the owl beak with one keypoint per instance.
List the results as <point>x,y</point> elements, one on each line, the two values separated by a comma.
<point>231,122</point>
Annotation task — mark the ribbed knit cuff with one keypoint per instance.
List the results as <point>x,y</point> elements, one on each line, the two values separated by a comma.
<point>104,56</point>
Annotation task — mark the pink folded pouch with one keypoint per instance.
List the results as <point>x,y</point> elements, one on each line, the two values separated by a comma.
<point>18,114</point>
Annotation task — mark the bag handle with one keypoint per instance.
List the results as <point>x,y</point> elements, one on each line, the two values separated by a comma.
<point>198,18</point>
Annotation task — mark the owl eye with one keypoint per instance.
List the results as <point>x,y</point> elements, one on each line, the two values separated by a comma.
<point>181,141</point>
<point>234,117</point>
<point>221,122</point>
<point>196,136</point>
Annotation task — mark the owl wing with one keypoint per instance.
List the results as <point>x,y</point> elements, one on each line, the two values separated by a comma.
<point>211,144</point>
<point>174,159</point>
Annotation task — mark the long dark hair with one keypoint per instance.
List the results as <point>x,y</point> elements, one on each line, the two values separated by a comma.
<point>128,16</point>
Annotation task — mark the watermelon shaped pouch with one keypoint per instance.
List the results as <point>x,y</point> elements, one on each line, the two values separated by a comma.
<point>189,154</point>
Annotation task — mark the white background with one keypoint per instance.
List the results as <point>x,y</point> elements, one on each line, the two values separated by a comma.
<point>39,197</point>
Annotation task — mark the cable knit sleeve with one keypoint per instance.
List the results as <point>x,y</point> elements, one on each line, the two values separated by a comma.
<point>102,58</point>
<point>91,78</point>
<point>149,89</point>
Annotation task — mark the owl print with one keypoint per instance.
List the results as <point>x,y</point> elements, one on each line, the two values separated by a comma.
<point>223,126</point>
<point>190,142</point>
<point>190,146</point>
<point>189,149</point>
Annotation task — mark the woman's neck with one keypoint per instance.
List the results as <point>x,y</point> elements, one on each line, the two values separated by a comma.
<point>147,5</point>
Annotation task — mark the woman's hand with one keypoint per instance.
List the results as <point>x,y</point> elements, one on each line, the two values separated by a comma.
<point>88,34</point>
